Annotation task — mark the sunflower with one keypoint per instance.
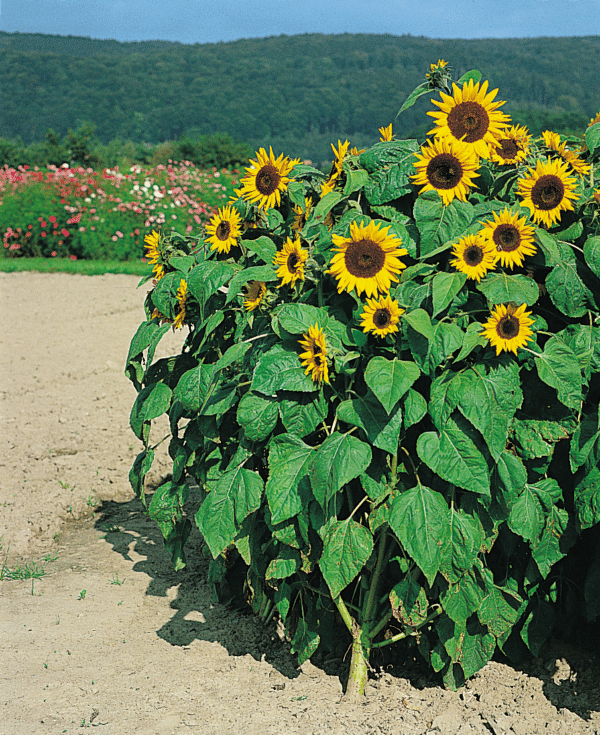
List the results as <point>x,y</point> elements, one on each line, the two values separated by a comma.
<point>470,116</point>
<point>152,245</point>
<point>354,151</point>
<point>181,299</point>
<point>547,191</point>
<point>386,134</point>
<point>266,178</point>
<point>594,120</point>
<point>440,66</point>
<point>381,316</point>
<point>512,146</point>
<point>368,260</point>
<point>509,237</point>
<point>315,357</point>
<point>508,328</point>
<point>581,168</point>
<point>473,256</point>
<point>301,214</point>
<point>224,229</point>
<point>339,154</point>
<point>446,166</point>
<point>291,259</point>
<point>255,291</point>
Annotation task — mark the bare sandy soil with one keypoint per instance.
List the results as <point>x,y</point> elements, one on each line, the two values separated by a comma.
<point>112,638</point>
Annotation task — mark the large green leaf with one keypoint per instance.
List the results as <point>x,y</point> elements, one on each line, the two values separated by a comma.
<point>591,253</point>
<point>236,494</point>
<point>471,646</point>
<point>439,224</point>
<point>463,597</point>
<point>286,563</point>
<point>264,247</point>
<point>559,368</point>
<point>148,336</point>
<point>208,276</point>
<point>150,403</point>
<point>496,612</point>
<point>587,499</point>
<point>585,442</point>
<point>455,457</point>
<point>445,288</point>
<point>567,290</point>
<point>512,477</point>
<point>264,273</point>
<point>338,460</point>
<point>549,549</point>
<point>466,537</point>
<point>592,137</point>
<point>301,413</point>
<point>305,642</point>
<point>390,379</point>
<point>382,431</point>
<point>257,415</point>
<point>420,519</point>
<point>489,401</point>
<point>297,318</point>
<point>287,490</point>
<point>280,369</point>
<point>526,516</point>
<point>499,288</point>
<point>346,548</point>
<point>192,389</point>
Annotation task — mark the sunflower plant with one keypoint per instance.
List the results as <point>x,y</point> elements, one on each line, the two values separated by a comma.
<point>384,418</point>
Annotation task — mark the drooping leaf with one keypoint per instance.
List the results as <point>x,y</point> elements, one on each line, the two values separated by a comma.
<point>289,462</point>
<point>420,519</point>
<point>566,289</point>
<point>409,602</point>
<point>338,460</point>
<point>548,550</point>
<point>390,379</point>
<point>438,224</point>
<point>150,403</point>
<point>526,516</point>
<point>382,431</point>
<point>499,288</point>
<point>587,499</point>
<point>346,547</point>
<point>415,407</point>
<point>466,536</point>
<point>591,253</point>
<point>286,563</point>
<point>305,642</point>
<point>558,367</point>
<point>463,597</point>
<point>445,288</point>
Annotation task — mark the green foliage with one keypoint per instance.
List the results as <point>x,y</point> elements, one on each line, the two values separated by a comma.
<point>400,460</point>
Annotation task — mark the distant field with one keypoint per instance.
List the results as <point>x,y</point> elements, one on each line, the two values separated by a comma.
<point>66,265</point>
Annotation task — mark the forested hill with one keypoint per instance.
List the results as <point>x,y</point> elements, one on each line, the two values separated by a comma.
<point>297,93</point>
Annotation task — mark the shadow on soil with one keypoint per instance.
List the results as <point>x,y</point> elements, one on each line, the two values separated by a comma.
<point>569,675</point>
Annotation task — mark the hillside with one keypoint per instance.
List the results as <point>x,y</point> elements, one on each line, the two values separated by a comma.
<point>296,92</point>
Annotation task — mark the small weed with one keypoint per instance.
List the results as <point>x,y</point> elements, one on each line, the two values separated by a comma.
<point>91,501</point>
<point>82,595</point>
<point>301,698</point>
<point>64,485</point>
<point>110,528</point>
<point>116,580</point>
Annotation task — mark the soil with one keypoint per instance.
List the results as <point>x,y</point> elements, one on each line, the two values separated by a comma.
<point>110,637</point>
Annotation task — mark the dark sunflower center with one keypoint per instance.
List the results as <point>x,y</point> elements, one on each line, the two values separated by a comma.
<point>547,192</point>
<point>507,238</point>
<point>382,318</point>
<point>253,290</point>
<point>507,148</point>
<point>473,255</point>
<point>267,179</point>
<point>508,327</point>
<point>444,171</point>
<point>293,262</point>
<point>223,230</point>
<point>468,119</point>
<point>364,258</point>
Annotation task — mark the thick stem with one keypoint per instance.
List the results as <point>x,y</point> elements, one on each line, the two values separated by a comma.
<point>357,678</point>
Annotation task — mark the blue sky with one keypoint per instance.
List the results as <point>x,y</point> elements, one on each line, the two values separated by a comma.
<point>206,21</point>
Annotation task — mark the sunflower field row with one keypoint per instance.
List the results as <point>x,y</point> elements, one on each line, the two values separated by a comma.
<point>103,214</point>
<point>388,392</point>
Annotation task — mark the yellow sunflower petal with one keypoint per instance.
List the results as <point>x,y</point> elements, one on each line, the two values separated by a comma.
<point>547,191</point>
<point>266,179</point>
<point>314,358</point>
<point>446,166</point>
<point>508,328</point>
<point>381,316</point>
<point>509,236</point>
<point>473,256</point>
<point>224,229</point>
<point>291,259</point>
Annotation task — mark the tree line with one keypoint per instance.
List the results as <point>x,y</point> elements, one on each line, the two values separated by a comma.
<point>297,93</point>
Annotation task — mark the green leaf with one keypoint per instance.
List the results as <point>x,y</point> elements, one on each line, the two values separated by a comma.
<point>236,494</point>
<point>489,402</point>
<point>346,548</point>
<point>472,338</point>
<point>382,431</point>
<point>536,438</point>
<point>264,247</point>
<point>193,386</point>
<point>526,516</point>
<point>419,91</point>
<point>289,462</point>
<point>455,457</point>
<point>592,137</point>
<point>445,288</point>
<point>338,460</point>
<point>415,407</point>
<point>206,278</point>
<point>549,246</point>
<point>466,538</point>
<point>566,289</point>
<point>438,224</point>
<point>264,273</point>
<point>499,288</point>
<point>591,253</point>
<point>463,597</point>
<point>420,321</point>
<point>409,602</point>
<point>559,368</point>
<point>471,646</point>
<point>298,318</point>
<point>390,379</point>
<point>305,642</point>
<point>395,153</point>
<point>150,403</point>
<point>280,369</point>
<point>233,354</point>
<point>140,468</point>
<point>496,612</point>
<point>473,74</point>
<point>548,550</point>
<point>584,440</point>
<point>512,477</point>
<point>257,416</point>
<point>420,519</point>
<point>386,184</point>
<point>167,502</point>
<point>148,336</point>
<point>355,179</point>
<point>302,413</point>
<point>587,499</point>
<point>286,563</point>
<point>326,204</point>
<point>538,626</point>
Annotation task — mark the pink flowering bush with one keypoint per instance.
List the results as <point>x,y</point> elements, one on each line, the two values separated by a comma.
<point>84,213</point>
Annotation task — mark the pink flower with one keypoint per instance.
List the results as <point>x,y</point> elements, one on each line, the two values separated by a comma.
<point>73,257</point>
<point>65,232</point>
<point>53,253</point>
<point>52,218</point>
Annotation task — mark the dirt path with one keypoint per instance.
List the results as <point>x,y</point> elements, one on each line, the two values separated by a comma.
<point>111,638</point>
